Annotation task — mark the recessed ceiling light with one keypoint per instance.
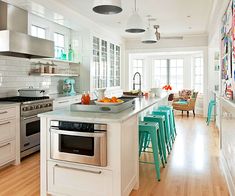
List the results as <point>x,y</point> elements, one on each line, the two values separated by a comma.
<point>188,16</point>
<point>189,27</point>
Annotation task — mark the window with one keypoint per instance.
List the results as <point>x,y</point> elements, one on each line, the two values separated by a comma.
<point>176,70</point>
<point>159,73</point>
<point>198,74</point>
<point>37,31</point>
<point>138,66</point>
<point>168,71</point>
<point>59,40</point>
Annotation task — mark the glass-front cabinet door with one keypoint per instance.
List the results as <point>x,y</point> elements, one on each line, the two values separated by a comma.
<point>103,65</point>
<point>106,64</point>
<point>112,65</point>
<point>96,62</point>
<point>117,67</point>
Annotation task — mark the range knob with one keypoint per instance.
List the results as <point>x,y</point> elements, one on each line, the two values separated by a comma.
<point>24,109</point>
<point>31,107</point>
<point>37,106</point>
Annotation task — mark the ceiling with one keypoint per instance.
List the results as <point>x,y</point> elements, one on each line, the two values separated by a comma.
<point>175,17</point>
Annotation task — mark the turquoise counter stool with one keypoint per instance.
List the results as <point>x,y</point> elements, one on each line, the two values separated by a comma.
<point>172,118</point>
<point>166,114</point>
<point>210,108</point>
<point>161,137</point>
<point>145,129</point>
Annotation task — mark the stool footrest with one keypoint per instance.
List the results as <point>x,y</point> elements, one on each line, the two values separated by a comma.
<point>151,163</point>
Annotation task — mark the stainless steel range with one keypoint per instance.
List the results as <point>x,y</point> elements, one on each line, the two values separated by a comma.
<point>29,122</point>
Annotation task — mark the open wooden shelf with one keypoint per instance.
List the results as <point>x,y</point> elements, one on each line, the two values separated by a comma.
<point>63,61</point>
<point>48,74</point>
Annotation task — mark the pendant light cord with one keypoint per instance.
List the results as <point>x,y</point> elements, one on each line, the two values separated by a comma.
<point>135,6</point>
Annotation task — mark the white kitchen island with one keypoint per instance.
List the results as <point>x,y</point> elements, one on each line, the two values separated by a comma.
<point>121,174</point>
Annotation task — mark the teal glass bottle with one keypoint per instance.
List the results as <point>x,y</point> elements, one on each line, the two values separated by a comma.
<point>70,53</point>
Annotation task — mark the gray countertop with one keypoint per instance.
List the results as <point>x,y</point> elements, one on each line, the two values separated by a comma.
<point>140,105</point>
<point>61,96</point>
<point>8,104</point>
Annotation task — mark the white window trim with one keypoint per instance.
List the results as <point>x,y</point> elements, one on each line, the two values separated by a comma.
<point>193,75</point>
<point>132,72</point>
<point>148,68</point>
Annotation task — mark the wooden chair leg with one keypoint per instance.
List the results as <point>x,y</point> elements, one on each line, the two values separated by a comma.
<point>194,113</point>
<point>182,112</point>
<point>187,113</point>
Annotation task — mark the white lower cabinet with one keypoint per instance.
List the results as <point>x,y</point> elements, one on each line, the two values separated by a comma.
<point>70,180</point>
<point>7,113</point>
<point>65,102</point>
<point>9,135</point>
<point>7,152</point>
<point>7,129</point>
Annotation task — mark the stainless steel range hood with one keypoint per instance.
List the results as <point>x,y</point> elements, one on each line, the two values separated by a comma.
<point>14,38</point>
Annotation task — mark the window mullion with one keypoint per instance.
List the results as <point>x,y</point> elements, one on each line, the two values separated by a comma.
<point>168,71</point>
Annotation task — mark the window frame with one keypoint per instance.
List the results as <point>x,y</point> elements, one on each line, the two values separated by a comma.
<point>56,33</point>
<point>143,72</point>
<point>169,71</point>
<point>200,75</point>
<point>38,27</point>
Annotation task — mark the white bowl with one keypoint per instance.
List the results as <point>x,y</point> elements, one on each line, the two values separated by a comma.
<point>157,91</point>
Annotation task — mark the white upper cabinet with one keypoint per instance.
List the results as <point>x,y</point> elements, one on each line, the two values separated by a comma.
<point>105,70</point>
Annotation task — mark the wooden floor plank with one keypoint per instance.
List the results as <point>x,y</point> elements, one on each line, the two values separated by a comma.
<point>193,167</point>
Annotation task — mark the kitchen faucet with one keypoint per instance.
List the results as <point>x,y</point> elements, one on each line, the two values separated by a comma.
<point>139,84</point>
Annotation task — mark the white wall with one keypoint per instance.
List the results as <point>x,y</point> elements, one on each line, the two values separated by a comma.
<point>188,74</point>
<point>86,29</point>
<point>76,26</point>
<point>15,71</point>
<point>189,43</point>
<point>214,25</point>
<point>14,74</point>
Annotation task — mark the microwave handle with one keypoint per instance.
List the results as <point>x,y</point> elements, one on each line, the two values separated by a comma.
<point>76,133</point>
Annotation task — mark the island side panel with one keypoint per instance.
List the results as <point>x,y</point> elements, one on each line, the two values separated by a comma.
<point>43,155</point>
<point>129,153</point>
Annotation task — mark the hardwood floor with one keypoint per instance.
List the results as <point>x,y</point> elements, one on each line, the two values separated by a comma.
<point>193,167</point>
<point>21,180</point>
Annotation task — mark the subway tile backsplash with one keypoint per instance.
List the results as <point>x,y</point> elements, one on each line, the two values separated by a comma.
<point>14,74</point>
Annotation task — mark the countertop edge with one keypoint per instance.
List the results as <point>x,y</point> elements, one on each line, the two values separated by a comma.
<point>72,115</point>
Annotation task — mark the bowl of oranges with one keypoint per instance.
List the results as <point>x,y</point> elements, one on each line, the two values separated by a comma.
<point>109,101</point>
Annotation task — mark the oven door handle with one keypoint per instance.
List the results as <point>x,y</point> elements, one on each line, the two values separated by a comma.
<point>76,133</point>
<point>30,117</point>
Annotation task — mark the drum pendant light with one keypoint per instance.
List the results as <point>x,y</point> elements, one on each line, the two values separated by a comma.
<point>135,23</point>
<point>107,6</point>
<point>149,35</point>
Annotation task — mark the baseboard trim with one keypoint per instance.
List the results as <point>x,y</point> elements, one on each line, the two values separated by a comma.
<point>228,177</point>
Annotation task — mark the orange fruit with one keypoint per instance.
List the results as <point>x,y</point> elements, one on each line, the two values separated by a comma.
<point>114,99</point>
